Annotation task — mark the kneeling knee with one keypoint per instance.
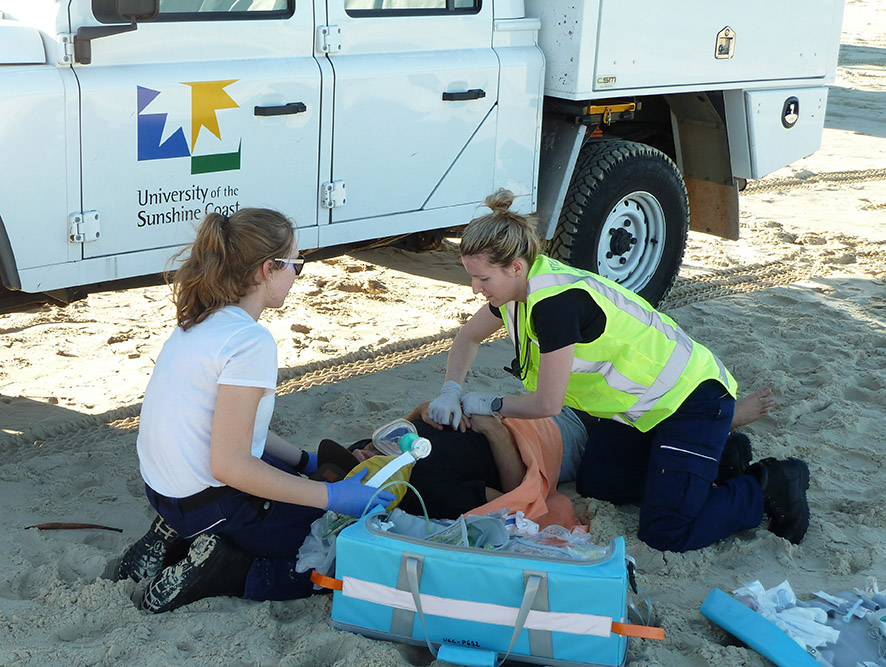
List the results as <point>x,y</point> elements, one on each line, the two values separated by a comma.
<point>663,540</point>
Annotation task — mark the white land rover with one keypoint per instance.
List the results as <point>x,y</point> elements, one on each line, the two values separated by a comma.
<point>124,121</point>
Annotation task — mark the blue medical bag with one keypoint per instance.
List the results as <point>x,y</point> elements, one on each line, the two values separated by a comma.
<point>477,606</point>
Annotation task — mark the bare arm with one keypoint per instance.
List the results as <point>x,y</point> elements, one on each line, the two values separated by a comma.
<point>282,449</point>
<point>464,348</point>
<point>554,369</point>
<point>232,462</point>
<point>511,468</point>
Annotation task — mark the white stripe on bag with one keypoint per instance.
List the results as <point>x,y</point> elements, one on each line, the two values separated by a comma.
<point>478,612</point>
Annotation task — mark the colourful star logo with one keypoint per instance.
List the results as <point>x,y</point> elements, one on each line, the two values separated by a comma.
<point>207,99</point>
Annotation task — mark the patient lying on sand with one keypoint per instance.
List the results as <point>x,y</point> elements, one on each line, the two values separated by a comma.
<point>515,463</point>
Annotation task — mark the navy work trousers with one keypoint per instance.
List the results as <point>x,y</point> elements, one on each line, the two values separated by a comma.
<point>670,470</point>
<point>270,532</point>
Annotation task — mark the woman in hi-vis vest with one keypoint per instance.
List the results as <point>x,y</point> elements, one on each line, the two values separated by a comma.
<point>657,405</point>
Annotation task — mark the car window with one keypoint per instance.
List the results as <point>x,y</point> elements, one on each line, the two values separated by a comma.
<point>409,7</point>
<point>223,9</point>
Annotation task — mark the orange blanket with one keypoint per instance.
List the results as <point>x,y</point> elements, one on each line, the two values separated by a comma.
<point>541,449</point>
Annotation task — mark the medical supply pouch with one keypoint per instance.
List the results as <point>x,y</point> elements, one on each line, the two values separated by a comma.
<point>841,630</point>
<point>480,606</point>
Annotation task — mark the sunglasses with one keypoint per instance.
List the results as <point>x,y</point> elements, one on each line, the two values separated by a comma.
<point>297,263</point>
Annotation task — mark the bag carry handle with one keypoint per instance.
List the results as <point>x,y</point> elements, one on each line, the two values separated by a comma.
<point>532,586</point>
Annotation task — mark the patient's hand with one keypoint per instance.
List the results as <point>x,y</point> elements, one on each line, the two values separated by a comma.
<point>421,412</point>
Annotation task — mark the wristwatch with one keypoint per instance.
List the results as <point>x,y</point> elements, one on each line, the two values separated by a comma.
<point>495,406</point>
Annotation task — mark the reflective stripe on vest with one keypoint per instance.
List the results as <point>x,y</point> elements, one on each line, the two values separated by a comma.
<point>679,359</point>
<point>647,397</point>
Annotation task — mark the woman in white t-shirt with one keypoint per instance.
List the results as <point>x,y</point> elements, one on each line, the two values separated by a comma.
<point>225,487</point>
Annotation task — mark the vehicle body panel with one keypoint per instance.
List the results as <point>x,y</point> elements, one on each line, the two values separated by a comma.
<point>161,125</point>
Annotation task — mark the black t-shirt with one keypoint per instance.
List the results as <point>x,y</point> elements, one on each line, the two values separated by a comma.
<point>572,316</point>
<point>454,477</point>
<point>569,317</point>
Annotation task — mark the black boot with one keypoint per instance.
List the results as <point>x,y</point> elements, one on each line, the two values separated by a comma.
<point>212,567</point>
<point>736,457</point>
<point>149,554</point>
<point>784,486</point>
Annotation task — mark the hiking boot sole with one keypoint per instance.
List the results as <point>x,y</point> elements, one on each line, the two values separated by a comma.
<point>213,567</point>
<point>146,558</point>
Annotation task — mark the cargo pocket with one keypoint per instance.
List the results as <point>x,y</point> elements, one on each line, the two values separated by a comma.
<point>243,510</point>
<point>676,490</point>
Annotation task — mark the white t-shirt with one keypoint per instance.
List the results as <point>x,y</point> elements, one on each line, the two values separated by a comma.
<point>228,347</point>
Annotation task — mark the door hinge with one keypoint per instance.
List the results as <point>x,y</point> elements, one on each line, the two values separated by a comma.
<point>329,38</point>
<point>332,194</point>
<point>66,48</point>
<point>83,227</point>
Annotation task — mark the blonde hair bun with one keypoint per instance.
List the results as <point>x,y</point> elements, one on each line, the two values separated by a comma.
<point>502,235</point>
<point>500,201</point>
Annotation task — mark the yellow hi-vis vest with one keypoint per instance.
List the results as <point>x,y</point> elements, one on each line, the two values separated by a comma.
<point>642,367</point>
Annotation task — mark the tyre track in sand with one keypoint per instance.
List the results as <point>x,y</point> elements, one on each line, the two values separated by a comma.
<point>795,182</point>
<point>798,266</point>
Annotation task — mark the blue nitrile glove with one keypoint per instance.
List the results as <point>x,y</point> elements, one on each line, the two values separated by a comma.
<point>477,403</point>
<point>350,496</point>
<point>311,465</point>
<point>446,408</point>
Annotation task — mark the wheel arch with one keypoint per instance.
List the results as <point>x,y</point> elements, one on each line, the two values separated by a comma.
<point>561,143</point>
<point>565,131</point>
<point>615,172</point>
<point>8,267</point>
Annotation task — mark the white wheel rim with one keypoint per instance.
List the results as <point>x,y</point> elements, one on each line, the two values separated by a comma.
<point>632,241</point>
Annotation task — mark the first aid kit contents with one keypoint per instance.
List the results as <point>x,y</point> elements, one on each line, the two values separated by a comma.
<point>457,589</point>
<point>845,629</point>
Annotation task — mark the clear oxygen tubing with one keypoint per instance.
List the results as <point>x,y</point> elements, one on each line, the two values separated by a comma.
<point>395,482</point>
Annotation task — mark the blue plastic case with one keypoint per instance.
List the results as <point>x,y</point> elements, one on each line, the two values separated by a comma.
<point>562,601</point>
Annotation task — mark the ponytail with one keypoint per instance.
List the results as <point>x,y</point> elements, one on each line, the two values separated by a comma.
<point>225,252</point>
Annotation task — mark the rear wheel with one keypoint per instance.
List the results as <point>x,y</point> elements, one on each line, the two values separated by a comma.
<point>625,217</point>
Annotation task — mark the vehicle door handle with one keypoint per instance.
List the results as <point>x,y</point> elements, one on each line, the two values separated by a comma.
<point>474,94</point>
<point>282,110</point>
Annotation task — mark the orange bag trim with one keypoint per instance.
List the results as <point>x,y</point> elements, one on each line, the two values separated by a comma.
<point>326,582</point>
<point>644,631</point>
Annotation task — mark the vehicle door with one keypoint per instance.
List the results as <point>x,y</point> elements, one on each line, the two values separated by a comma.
<point>416,85</point>
<point>213,106</point>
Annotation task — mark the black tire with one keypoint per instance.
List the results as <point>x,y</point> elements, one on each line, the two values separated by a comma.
<point>625,217</point>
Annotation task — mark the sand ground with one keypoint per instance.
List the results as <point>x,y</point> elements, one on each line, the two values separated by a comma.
<point>797,304</point>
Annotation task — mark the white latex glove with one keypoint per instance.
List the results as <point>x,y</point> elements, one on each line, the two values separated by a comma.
<point>446,408</point>
<point>477,403</point>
